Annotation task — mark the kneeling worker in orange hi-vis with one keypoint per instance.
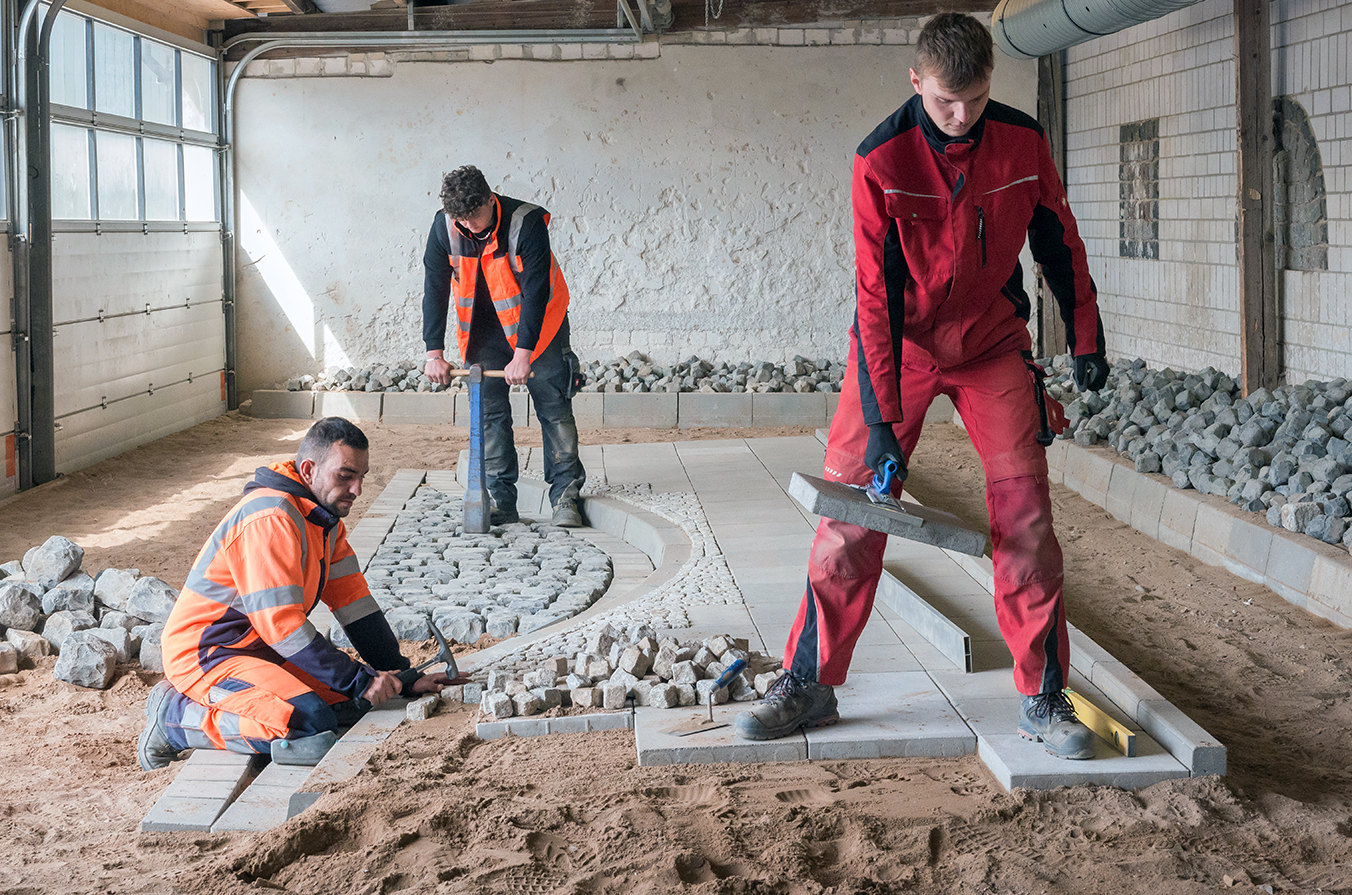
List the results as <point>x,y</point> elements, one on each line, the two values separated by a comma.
<point>245,669</point>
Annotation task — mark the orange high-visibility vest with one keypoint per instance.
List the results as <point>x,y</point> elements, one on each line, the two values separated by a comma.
<point>501,266</point>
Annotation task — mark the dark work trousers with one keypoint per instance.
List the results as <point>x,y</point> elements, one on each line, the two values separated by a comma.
<point>995,399</point>
<point>553,407</point>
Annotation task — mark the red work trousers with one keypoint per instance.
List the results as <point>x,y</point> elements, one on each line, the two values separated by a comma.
<point>995,399</point>
<point>245,702</point>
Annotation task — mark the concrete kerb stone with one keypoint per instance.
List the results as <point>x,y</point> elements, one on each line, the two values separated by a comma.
<point>1121,493</point>
<point>657,411</point>
<point>785,409</point>
<point>426,408</point>
<point>355,406</point>
<point>713,409</point>
<point>268,404</point>
<point>1220,534</point>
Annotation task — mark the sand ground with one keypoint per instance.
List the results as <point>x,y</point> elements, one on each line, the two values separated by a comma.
<point>440,811</point>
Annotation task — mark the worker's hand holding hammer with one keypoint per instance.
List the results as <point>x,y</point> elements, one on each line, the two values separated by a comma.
<point>385,686</point>
<point>431,683</point>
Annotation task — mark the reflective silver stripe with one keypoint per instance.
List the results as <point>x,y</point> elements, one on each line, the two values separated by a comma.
<point>509,331</point>
<point>345,567</point>
<point>348,614</point>
<point>192,724</point>
<point>514,233</point>
<point>1008,185</point>
<point>218,694</point>
<point>272,597</point>
<point>227,725</point>
<point>917,195</point>
<point>296,641</point>
<point>197,580</point>
<point>450,233</point>
<point>507,303</point>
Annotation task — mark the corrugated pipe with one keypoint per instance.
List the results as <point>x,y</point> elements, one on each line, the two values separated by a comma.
<point>1027,29</point>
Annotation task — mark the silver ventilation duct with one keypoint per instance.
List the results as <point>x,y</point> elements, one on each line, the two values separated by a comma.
<point>1027,29</point>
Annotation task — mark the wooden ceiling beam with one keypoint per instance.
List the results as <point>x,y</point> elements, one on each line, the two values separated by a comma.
<point>511,15</point>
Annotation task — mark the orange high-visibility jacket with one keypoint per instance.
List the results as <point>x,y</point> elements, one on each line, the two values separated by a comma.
<point>266,566</point>
<point>523,278</point>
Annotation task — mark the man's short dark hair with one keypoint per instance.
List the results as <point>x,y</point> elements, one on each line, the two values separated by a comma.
<point>464,191</point>
<point>955,49</point>
<point>324,434</point>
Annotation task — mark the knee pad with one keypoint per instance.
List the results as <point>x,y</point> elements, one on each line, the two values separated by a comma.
<point>311,715</point>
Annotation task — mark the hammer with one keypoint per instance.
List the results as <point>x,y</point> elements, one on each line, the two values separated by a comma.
<point>409,675</point>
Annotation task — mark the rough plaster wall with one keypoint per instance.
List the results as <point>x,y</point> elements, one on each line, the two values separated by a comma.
<point>1183,310</point>
<point>700,200</point>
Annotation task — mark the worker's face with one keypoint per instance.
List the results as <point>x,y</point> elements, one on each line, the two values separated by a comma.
<point>953,111</point>
<point>480,220</point>
<point>336,479</point>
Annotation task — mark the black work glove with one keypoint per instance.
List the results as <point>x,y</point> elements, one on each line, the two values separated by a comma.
<point>883,446</point>
<point>1091,372</point>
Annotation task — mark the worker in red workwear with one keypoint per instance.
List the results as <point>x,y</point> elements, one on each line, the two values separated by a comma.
<point>944,192</point>
<point>245,669</point>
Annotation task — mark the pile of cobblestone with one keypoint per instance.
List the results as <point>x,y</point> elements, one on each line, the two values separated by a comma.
<point>633,373</point>
<point>1283,452</point>
<point>512,580</point>
<point>48,604</point>
<point>617,666</point>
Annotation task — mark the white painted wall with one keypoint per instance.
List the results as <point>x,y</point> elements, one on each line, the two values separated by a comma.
<point>700,199</point>
<point>8,409</point>
<point>1182,310</point>
<point>141,363</point>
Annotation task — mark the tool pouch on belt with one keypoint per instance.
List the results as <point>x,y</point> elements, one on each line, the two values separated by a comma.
<point>1051,415</point>
<point>576,378</point>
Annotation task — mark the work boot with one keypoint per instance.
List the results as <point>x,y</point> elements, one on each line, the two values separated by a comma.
<point>790,704</point>
<point>153,748</point>
<point>503,516</point>
<point>566,514</point>
<point>1050,719</point>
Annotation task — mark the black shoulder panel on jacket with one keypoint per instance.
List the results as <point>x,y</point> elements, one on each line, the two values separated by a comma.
<point>899,122</point>
<point>1010,115</point>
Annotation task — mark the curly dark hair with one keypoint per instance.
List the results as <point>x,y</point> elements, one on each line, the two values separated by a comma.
<point>955,49</point>
<point>464,191</point>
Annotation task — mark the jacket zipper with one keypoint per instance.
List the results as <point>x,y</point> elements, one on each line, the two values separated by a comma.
<point>981,232</point>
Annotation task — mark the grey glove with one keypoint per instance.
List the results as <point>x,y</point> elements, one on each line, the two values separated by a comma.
<point>1091,372</point>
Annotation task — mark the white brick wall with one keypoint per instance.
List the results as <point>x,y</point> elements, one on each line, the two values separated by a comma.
<point>1182,310</point>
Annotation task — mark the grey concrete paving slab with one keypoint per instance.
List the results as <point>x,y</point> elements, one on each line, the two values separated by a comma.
<point>841,502</point>
<point>721,511</point>
<point>271,405</point>
<point>886,657</point>
<point>991,654</point>
<point>202,788</point>
<point>1016,762</point>
<point>264,804</point>
<point>657,746</point>
<point>889,715</point>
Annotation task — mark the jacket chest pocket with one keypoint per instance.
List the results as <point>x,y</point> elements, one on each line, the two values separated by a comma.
<point>905,206</point>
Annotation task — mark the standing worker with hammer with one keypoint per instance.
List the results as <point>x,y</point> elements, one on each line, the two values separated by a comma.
<point>491,252</point>
<point>245,670</point>
<point>944,192</point>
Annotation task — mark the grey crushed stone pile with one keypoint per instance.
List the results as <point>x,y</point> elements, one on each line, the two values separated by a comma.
<point>92,622</point>
<point>1284,453</point>
<point>632,373</point>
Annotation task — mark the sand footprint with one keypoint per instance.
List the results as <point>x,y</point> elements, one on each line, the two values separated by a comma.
<point>811,795</point>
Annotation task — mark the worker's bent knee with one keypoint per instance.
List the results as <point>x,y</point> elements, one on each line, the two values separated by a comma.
<point>311,715</point>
